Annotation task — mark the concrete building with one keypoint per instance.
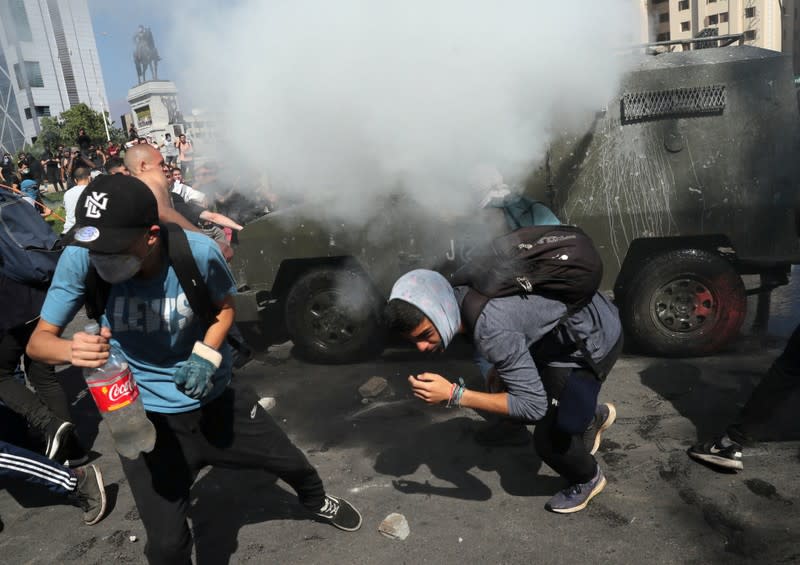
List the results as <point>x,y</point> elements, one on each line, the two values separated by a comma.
<point>48,63</point>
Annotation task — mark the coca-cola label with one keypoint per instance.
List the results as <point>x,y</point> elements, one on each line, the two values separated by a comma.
<point>114,393</point>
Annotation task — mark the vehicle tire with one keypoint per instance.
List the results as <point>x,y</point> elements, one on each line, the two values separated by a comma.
<point>333,315</point>
<point>684,303</point>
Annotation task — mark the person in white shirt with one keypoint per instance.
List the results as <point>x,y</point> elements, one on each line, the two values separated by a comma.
<point>184,190</point>
<point>82,178</point>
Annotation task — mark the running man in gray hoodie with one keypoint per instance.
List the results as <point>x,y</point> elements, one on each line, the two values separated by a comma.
<point>534,370</point>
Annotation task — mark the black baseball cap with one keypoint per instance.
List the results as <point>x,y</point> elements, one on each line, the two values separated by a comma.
<point>112,211</point>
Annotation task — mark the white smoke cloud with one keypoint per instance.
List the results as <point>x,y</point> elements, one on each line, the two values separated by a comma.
<point>354,97</point>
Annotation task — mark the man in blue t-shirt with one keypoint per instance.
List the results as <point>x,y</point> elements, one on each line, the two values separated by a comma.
<point>181,364</point>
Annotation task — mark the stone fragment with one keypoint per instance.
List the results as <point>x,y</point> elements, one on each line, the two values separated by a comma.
<point>267,403</point>
<point>373,387</point>
<point>395,526</point>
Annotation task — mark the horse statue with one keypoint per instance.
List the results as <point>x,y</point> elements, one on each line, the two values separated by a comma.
<point>145,55</point>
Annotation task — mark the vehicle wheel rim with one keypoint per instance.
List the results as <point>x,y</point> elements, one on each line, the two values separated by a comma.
<point>329,319</point>
<point>683,305</point>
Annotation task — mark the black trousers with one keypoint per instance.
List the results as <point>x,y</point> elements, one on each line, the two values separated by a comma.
<point>781,380</point>
<point>232,431</point>
<point>49,400</point>
<point>565,452</point>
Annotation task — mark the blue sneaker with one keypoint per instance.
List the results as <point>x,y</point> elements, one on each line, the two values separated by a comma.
<point>604,416</point>
<point>576,497</point>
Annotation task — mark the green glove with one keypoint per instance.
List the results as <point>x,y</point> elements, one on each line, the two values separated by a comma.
<point>193,376</point>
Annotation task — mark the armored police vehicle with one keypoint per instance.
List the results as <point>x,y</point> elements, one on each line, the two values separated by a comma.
<point>686,181</point>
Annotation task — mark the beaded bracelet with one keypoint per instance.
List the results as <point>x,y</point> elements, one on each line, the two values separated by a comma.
<point>456,392</point>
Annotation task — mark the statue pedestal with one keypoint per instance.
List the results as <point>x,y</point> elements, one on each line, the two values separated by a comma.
<point>155,108</point>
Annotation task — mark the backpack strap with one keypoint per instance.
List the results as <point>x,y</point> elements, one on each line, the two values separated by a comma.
<point>96,294</point>
<point>471,307</point>
<point>580,343</point>
<point>189,277</point>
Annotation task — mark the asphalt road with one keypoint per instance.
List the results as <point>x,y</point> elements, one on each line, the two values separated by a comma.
<point>463,502</point>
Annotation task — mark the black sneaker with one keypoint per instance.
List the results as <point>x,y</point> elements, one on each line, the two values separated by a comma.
<point>576,497</point>
<point>76,455</point>
<point>715,453</point>
<point>91,494</point>
<point>57,433</point>
<point>502,432</point>
<point>604,416</point>
<point>339,513</point>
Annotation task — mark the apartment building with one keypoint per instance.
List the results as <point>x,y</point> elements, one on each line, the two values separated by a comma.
<point>759,20</point>
<point>48,63</point>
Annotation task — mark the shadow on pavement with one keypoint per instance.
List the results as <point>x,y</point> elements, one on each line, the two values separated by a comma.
<point>712,405</point>
<point>448,450</point>
<point>226,500</point>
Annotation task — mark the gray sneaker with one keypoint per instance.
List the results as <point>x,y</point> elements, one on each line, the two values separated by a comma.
<point>604,416</point>
<point>576,497</point>
<point>91,494</point>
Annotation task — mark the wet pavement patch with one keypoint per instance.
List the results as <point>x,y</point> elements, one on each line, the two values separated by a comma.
<point>77,551</point>
<point>609,516</point>
<point>648,425</point>
<point>740,539</point>
<point>609,445</point>
<point>614,459</point>
<point>118,538</point>
<point>765,490</point>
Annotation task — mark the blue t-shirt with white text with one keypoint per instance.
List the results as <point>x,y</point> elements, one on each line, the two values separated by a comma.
<point>150,320</point>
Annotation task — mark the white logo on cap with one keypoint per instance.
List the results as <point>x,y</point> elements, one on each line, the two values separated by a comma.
<point>87,234</point>
<point>95,204</point>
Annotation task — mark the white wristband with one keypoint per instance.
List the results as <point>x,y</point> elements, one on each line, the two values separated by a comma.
<point>208,353</point>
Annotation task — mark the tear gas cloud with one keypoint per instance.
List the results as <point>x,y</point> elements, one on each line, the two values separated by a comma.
<point>356,97</point>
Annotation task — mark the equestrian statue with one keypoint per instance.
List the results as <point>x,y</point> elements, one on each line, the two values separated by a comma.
<point>145,54</point>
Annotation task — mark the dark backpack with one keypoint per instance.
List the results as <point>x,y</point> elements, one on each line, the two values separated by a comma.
<point>29,249</point>
<point>557,262</point>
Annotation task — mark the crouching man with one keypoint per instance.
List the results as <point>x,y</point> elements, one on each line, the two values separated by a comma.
<point>181,364</point>
<point>537,370</point>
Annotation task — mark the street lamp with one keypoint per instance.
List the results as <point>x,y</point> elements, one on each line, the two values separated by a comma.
<point>103,112</point>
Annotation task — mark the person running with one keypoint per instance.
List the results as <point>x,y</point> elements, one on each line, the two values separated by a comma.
<point>774,390</point>
<point>181,364</point>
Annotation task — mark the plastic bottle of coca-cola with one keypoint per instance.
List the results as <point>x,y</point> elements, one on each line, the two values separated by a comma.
<point>117,398</point>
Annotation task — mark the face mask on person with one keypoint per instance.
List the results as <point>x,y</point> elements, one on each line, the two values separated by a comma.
<point>116,268</point>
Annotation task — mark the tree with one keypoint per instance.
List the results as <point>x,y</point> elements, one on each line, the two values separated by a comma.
<point>63,130</point>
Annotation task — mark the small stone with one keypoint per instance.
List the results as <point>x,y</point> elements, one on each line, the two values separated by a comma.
<point>132,538</point>
<point>282,352</point>
<point>267,402</point>
<point>395,526</point>
<point>373,387</point>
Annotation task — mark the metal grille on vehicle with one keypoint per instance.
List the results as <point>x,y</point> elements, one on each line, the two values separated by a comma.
<point>676,102</point>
